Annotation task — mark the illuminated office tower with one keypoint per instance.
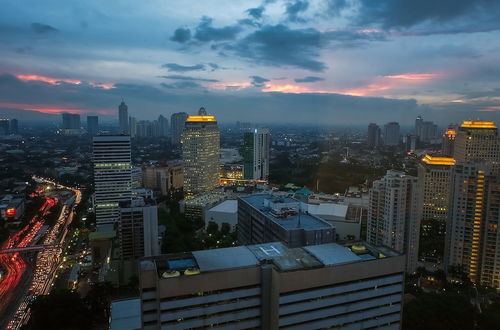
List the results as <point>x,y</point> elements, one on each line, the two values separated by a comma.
<point>449,141</point>
<point>472,237</point>
<point>256,154</point>
<point>200,153</point>
<point>434,175</point>
<point>92,125</point>
<point>177,121</point>
<point>391,134</point>
<point>373,138</point>
<point>112,176</point>
<point>123,118</point>
<point>476,141</point>
<point>392,215</point>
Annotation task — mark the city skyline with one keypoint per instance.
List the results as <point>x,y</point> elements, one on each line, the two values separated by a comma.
<point>279,59</point>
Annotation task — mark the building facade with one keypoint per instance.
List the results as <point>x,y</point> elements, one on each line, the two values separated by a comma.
<point>256,154</point>
<point>392,215</point>
<point>373,138</point>
<point>177,123</point>
<point>70,121</point>
<point>138,230</point>
<point>200,154</point>
<point>123,118</point>
<point>391,134</point>
<point>269,286</point>
<point>92,125</point>
<point>448,144</point>
<point>266,218</point>
<point>476,141</point>
<point>112,176</point>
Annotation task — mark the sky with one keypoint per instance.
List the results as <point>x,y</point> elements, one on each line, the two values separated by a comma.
<point>321,62</point>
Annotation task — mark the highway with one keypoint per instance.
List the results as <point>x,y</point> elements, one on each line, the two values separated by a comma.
<point>45,264</point>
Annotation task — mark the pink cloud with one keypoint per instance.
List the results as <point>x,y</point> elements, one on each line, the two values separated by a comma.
<point>58,81</point>
<point>56,109</point>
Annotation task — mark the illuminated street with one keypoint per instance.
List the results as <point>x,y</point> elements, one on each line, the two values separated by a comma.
<point>18,290</point>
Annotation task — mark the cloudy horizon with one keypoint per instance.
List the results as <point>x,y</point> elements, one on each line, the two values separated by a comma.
<point>289,61</point>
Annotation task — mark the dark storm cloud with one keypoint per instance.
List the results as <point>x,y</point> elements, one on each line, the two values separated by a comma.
<point>183,68</point>
<point>181,35</point>
<point>187,78</point>
<point>205,32</point>
<point>256,13</point>
<point>308,79</point>
<point>258,81</point>
<point>294,8</point>
<point>403,14</point>
<point>43,28</point>
<point>335,7</point>
<point>281,46</point>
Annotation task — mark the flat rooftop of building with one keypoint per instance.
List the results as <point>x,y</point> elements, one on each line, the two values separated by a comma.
<point>125,314</point>
<point>282,257</point>
<point>302,220</point>
<point>228,206</point>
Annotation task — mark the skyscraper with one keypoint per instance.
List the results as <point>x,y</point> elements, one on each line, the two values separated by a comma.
<point>132,126</point>
<point>14,126</point>
<point>392,215</point>
<point>177,121</point>
<point>112,176</point>
<point>426,131</point>
<point>162,126</point>
<point>256,154</point>
<point>123,118</point>
<point>92,125</point>
<point>434,180</point>
<point>4,126</point>
<point>476,140</point>
<point>200,153</point>
<point>71,121</point>
<point>391,134</point>
<point>472,237</point>
<point>373,137</point>
<point>449,141</point>
<point>418,125</point>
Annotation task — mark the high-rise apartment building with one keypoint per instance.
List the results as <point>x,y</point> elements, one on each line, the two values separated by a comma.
<point>138,229</point>
<point>472,236</point>
<point>426,131</point>
<point>200,153</point>
<point>162,126</point>
<point>392,215</point>
<point>256,154</point>
<point>123,118</point>
<point>132,126</point>
<point>269,286</point>
<point>476,141</point>
<point>70,121</point>
<point>434,180</point>
<point>373,138</point>
<point>411,143</point>
<point>391,134</point>
<point>112,176</point>
<point>448,144</point>
<point>266,218</point>
<point>92,125</point>
<point>4,126</point>
<point>177,122</point>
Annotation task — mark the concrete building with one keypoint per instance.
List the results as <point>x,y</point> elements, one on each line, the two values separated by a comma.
<point>225,212</point>
<point>373,138</point>
<point>269,286</point>
<point>136,175</point>
<point>4,126</point>
<point>256,154</point>
<point>448,143</point>
<point>162,126</point>
<point>71,121</point>
<point>125,314</point>
<point>92,125</point>
<point>472,236</point>
<point>195,208</point>
<point>392,215</point>
<point>112,176</point>
<point>132,124</point>
<point>138,230</point>
<point>434,181</point>
<point>166,179</point>
<point>342,217</point>
<point>411,143</point>
<point>391,134</point>
<point>200,154</point>
<point>476,141</point>
<point>266,218</point>
<point>177,121</point>
<point>14,126</point>
<point>123,118</point>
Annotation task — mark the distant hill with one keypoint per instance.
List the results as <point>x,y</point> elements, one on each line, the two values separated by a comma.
<point>28,115</point>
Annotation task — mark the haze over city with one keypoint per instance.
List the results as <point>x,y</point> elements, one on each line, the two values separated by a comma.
<point>302,62</point>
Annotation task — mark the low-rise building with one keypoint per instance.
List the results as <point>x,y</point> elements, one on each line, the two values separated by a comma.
<point>225,212</point>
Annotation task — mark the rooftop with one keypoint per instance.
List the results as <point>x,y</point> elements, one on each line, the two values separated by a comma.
<point>478,124</point>
<point>282,257</point>
<point>431,160</point>
<point>125,314</point>
<point>293,220</point>
<point>201,118</point>
<point>227,206</point>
